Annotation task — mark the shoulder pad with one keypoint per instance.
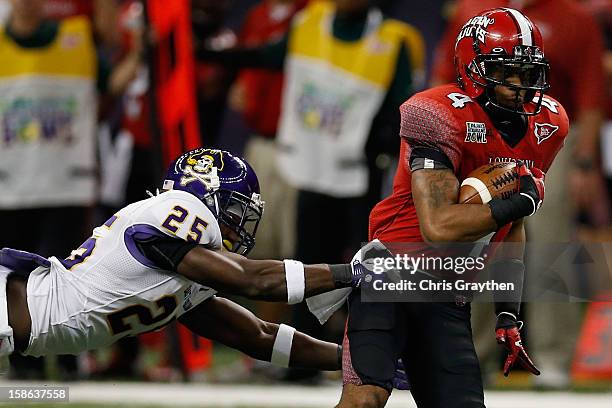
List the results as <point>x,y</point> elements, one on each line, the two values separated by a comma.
<point>427,122</point>
<point>182,215</point>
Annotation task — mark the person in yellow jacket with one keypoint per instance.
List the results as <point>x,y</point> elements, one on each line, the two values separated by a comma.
<point>348,68</point>
<point>49,82</point>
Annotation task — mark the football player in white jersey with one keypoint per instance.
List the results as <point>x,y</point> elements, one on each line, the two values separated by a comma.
<point>165,258</point>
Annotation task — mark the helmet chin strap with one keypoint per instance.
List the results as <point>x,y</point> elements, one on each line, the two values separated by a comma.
<point>493,107</point>
<point>511,125</point>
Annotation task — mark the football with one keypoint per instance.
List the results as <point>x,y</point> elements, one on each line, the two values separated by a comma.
<point>499,180</point>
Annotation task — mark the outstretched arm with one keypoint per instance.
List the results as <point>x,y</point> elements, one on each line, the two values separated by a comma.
<point>236,274</point>
<point>270,280</point>
<point>226,322</point>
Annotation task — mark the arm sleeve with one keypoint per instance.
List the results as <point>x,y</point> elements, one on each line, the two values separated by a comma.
<point>175,224</point>
<point>428,158</point>
<point>165,252</point>
<point>427,124</point>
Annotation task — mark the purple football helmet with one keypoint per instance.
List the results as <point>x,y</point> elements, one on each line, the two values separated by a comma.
<point>227,185</point>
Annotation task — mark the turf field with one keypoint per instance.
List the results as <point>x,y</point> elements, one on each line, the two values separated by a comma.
<point>140,395</point>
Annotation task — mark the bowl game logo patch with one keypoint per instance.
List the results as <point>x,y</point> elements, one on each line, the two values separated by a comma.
<point>544,131</point>
<point>476,132</point>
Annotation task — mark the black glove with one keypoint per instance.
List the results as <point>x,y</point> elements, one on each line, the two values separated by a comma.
<point>525,202</point>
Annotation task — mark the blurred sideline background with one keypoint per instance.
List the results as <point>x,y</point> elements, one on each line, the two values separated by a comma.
<point>160,91</point>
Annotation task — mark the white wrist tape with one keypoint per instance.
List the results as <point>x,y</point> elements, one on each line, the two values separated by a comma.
<point>296,283</point>
<point>281,351</point>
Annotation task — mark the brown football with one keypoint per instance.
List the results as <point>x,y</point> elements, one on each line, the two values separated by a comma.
<point>499,180</point>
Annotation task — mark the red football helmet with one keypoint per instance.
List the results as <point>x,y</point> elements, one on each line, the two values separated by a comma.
<point>496,44</point>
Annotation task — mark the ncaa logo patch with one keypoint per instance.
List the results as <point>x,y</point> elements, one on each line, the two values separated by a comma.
<point>544,131</point>
<point>476,132</point>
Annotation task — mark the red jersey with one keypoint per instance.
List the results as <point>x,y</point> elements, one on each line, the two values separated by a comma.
<point>445,119</point>
<point>136,117</point>
<point>573,45</point>
<point>602,11</point>
<point>263,88</point>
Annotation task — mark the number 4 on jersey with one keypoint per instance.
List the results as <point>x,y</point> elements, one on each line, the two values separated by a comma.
<point>459,100</point>
<point>548,103</point>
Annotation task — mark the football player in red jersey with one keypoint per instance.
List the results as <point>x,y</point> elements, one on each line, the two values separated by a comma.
<point>496,112</point>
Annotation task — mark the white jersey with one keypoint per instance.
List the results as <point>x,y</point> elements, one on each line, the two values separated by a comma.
<point>107,289</point>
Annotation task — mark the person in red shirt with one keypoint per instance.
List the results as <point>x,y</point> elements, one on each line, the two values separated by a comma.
<point>579,83</point>
<point>601,10</point>
<point>257,96</point>
<point>260,89</point>
<point>496,113</point>
<point>212,81</point>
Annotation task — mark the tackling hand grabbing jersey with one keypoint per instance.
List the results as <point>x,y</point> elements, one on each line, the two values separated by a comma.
<point>165,258</point>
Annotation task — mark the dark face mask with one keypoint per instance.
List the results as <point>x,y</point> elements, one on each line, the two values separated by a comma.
<point>511,125</point>
<point>240,215</point>
<point>525,72</point>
